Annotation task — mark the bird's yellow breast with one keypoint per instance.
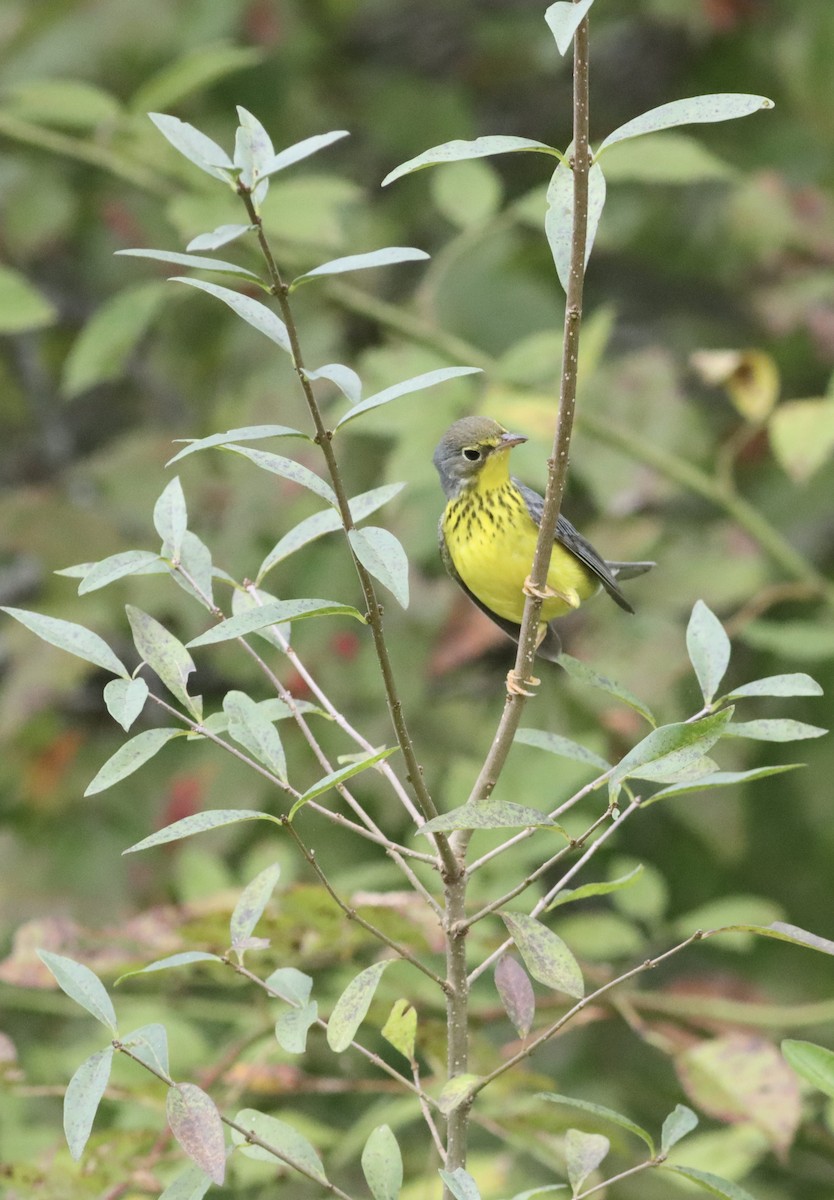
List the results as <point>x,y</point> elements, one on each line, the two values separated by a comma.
<point>491,538</point>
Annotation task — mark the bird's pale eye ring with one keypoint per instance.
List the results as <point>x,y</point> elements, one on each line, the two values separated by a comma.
<point>472,453</point>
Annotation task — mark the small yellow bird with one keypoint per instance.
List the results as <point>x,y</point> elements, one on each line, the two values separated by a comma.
<point>488,534</point>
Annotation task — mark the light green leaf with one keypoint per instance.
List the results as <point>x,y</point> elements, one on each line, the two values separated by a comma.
<point>149,1044</point>
<point>75,639</point>
<point>382,1164</point>
<point>400,1029</point>
<point>569,895</point>
<point>253,900</point>
<point>193,71</point>
<point>336,778</point>
<point>292,1027</point>
<point>806,641</point>
<point>246,433</point>
<point>795,684</point>
<point>294,1146</point>
<point>382,555</point>
<point>125,699</point>
<point>665,158</point>
<point>718,780</point>
<point>196,1124</point>
<point>583,1154</point>
<point>532,1192</point>
<point>22,307</point>
<point>346,380</point>
<point>195,568</point>
<point>814,1063</point>
<point>775,730</point>
<point>65,103</point>
<point>558,221</point>
<point>194,146</point>
<point>200,823</point>
<point>196,262</point>
<point>253,152</point>
<point>460,1183</point>
<point>455,1092</point>
<point>488,814</point>
<point>801,434</point>
<point>82,1098</point>
<point>81,985</point>
<point>708,647</point>
<point>564,19</point>
<point>416,384</point>
<point>458,150</point>
<point>782,932</point>
<point>678,1124</point>
<point>293,154</point>
<point>291,985</point>
<point>170,518</point>
<point>117,566</point>
<point>130,757</point>
<point>352,1006</point>
<point>249,599</point>
<point>165,655</point>
<point>251,728</point>
<point>561,746</point>
<point>730,910</point>
<point>287,468</point>
<point>467,193</point>
<point>252,311</point>
<point>272,614</point>
<point>172,960</point>
<point>221,236</point>
<point>545,955</point>
<point>669,750</point>
<point>361,262</point>
<point>712,1183</point>
<point>605,1114</point>
<point>584,674</point>
<point>190,1184</point>
<point>102,350</point>
<point>721,106</point>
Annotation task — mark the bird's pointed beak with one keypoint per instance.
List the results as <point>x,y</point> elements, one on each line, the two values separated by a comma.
<point>508,440</point>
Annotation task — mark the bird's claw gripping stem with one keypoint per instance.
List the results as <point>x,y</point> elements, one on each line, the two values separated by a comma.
<point>517,685</point>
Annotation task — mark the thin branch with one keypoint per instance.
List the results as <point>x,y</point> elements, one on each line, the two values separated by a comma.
<point>643,1166</point>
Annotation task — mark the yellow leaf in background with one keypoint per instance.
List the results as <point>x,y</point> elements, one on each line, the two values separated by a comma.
<point>749,377</point>
<point>802,436</point>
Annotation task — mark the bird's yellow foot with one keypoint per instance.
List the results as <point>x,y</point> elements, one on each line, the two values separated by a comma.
<point>548,593</point>
<point>518,686</point>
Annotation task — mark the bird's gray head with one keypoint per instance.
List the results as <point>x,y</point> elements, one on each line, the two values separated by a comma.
<point>464,449</point>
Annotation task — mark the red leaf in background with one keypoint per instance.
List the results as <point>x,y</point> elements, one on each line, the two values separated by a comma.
<point>725,15</point>
<point>184,798</point>
<point>196,1124</point>
<point>516,992</point>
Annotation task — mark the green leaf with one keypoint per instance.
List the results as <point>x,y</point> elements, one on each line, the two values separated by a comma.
<point>292,1027</point>
<point>382,555</point>
<point>81,985</point>
<point>65,103</point>
<point>782,932</point>
<point>455,1092</point>
<point>75,639</point>
<point>726,911</point>
<point>722,106</point>
<point>718,779</point>
<point>807,641</point>
<point>190,1184</point>
<point>165,655</point>
<point>457,151</point>
<point>82,1098</point>
<point>558,221</point>
<point>345,379</point>
<point>460,1183</point>
<point>488,814</point>
<point>291,985</point>
<point>102,351</point>
<point>117,566</point>
<point>22,307</point>
<point>400,1030</point>
<point>584,674</point>
<point>666,158</point>
<point>382,1164</point>
<point>287,468</point>
<point>569,895</point>
<point>251,728</point>
<point>564,19</point>
<point>149,1044</point>
<point>200,823</point>
<point>801,434</point>
<point>194,572</point>
<point>253,900</point>
<point>293,154</point>
<point>196,1124</point>
<point>814,1063</point>
<point>583,1154</point>
<point>678,1124</point>
<point>336,778</point>
<point>561,746</point>
<point>468,194</point>
<point>294,1147</point>
<point>516,992</point>
<point>416,384</point>
<point>246,433</point>
<point>252,311</point>
<point>709,649</point>
<point>172,960</point>
<point>125,699</point>
<point>361,262</point>
<point>272,614</point>
<point>795,684</point>
<point>195,146</point>
<point>545,955</point>
<point>170,518</point>
<point>253,152</point>
<point>712,1183</point>
<point>352,1006</point>
<point>196,263</point>
<point>605,1114</point>
<point>221,236</point>
<point>774,730</point>
<point>249,599</point>
<point>193,71</point>
<point>670,749</point>
<point>130,757</point>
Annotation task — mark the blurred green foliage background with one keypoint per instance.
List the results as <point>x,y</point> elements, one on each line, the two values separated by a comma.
<point>721,238</point>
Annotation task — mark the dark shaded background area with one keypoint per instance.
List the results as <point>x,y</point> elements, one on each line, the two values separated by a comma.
<point>716,237</point>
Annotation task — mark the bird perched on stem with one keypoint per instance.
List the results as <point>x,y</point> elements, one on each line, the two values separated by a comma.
<point>488,534</point>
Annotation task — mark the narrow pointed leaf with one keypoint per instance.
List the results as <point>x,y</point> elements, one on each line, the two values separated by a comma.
<point>252,311</point>
<point>249,599</point>
<point>714,1184</point>
<point>292,1027</point>
<point>195,1123</point>
<point>149,1044</point>
<point>256,152</point>
<point>678,1124</point>
<point>584,674</point>
<point>400,1030</point>
<point>362,262</point>
<point>488,814</point>
<point>336,778</point>
<point>721,106</point>
<point>718,780</point>
<point>184,958</point>
<point>81,985</point>
<point>200,823</point>
<point>352,1006</point>
<point>75,639</point>
<point>117,566</point>
<point>561,746</point>
<point>460,1183</point>
<point>564,19</point>
<point>251,728</point>
<point>814,1063</point>
<point>221,236</point>
<point>346,380</point>
<point>775,730</point>
<point>605,1114</point>
<point>293,154</point>
<point>516,991</point>
<point>458,150</point>
<point>382,1164</point>
<point>287,468</point>
<point>125,699</point>
<point>545,955</point>
<point>708,647</point>
<point>130,757</point>
<point>196,262</point>
<point>195,571</point>
<point>273,614</point>
<point>382,555</point>
<point>670,748</point>
<point>82,1098</point>
<point>796,684</point>
<point>253,900</point>
<point>170,517</point>
<point>782,932</point>
<point>246,433</point>
<point>165,655</point>
<point>569,895</point>
<point>292,1145</point>
<point>194,146</point>
<point>583,1154</point>
<point>416,384</point>
<point>558,221</point>
<point>291,985</point>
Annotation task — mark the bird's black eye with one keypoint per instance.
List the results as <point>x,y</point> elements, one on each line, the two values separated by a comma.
<point>472,453</point>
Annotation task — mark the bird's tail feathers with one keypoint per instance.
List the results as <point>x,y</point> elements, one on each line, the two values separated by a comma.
<point>629,570</point>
